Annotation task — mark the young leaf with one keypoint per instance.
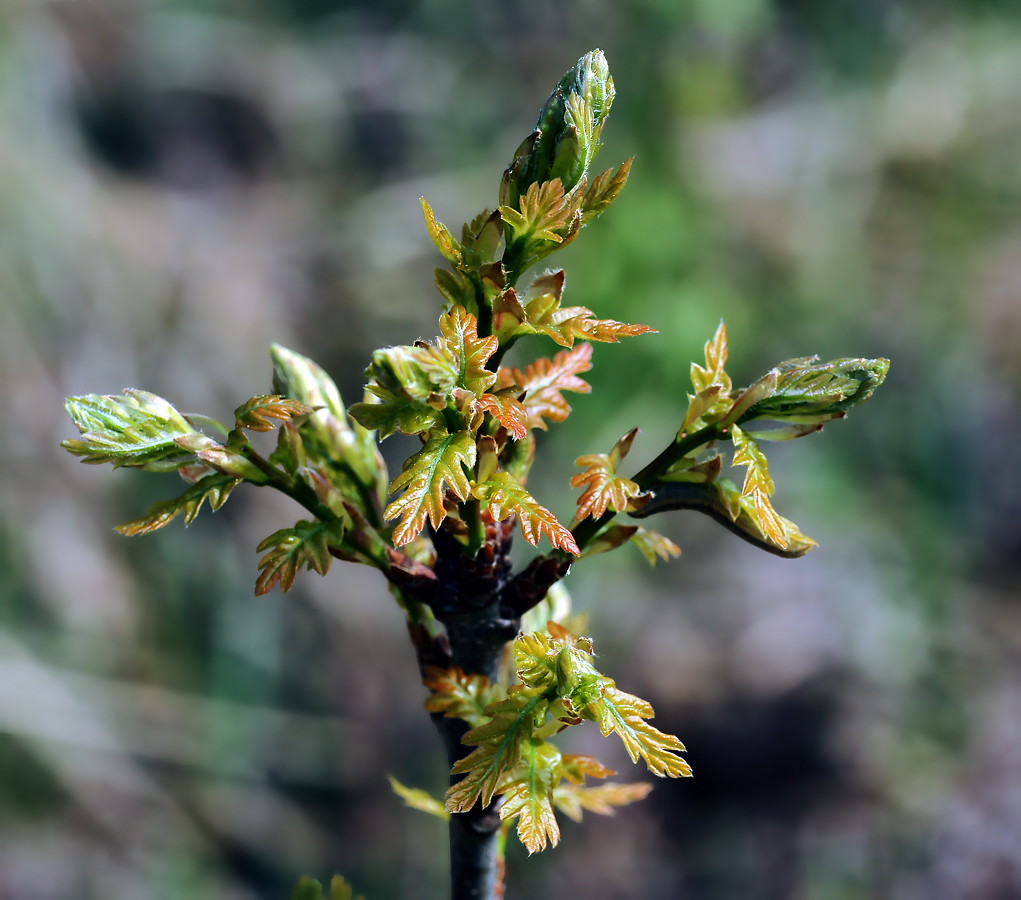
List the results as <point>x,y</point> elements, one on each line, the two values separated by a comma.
<point>610,538</point>
<point>215,488</point>
<point>441,237</point>
<point>460,339</point>
<point>575,768</point>
<point>418,799</point>
<point>406,397</point>
<point>624,714</point>
<point>653,545</point>
<point>498,745</point>
<point>571,799</point>
<point>544,214</point>
<point>544,380</point>
<point>307,543</point>
<point>427,475</point>
<point>460,696</point>
<point>758,487</point>
<point>527,791</point>
<point>257,413</point>
<point>603,488</point>
<point>715,360</point>
<point>505,496</point>
<point>508,411</point>
<point>603,190</point>
<point>136,429</point>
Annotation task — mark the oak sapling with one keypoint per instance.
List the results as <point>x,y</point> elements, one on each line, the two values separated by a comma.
<point>505,662</point>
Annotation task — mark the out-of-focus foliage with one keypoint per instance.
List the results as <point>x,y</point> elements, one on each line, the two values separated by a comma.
<point>836,177</point>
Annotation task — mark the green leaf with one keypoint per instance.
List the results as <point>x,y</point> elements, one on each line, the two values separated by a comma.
<point>498,745</point>
<point>406,398</point>
<point>215,488</point>
<point>460,696</point>
<point>527,791</point>
<point>809,392</point>
<point>257,414</point>
<point>307,889</point>
<point>418,799</point>
<point>136,429</point>
<point>714,371</point>
<point>307,543</point>
<point>346,451</point>
<point>653,545</point>
<point>427,475</point>
<point>610,538</point>
<point>505,496</point>
<point>566,135</point>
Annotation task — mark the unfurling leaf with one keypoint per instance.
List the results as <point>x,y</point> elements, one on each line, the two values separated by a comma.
<point>427,475</point>
<point>610,538</point>
<point>215,488</point>
<point>136,429</point>
<point>653,545</point>
<point>527,791</point>
<point>809,392</point>
<point>758,487</point>
<point>406,397</point>
<point>505,496</point>
<point>257,414</point>
<point>442,238</point>
<point>544,380</point>
<point>603,799</point>
<point>603,190</point>
<point>603,488</point>
<point>498,744</point>
<point>460,696</point>
<point>714,371</point>
<point>307,543</point>
<point>418,799</point>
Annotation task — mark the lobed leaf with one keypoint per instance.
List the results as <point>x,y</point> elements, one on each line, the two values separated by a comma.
<point>441,236</point>
<point>215,488</point>
<point>508,411</point>
<point>544,381</point>
<point>498,746</point>
<point>713,373</point>
<point>460,339</point>
<point>427,475</point>
<point>460,696</point>
<point>505,496</point>
<point>527,791</point>
<point>405,397</point>
<point>603,488</point>
<point>624,714</point>
<point>758,487</point>
<point>306,544</point>
<point>654,545</point>
<point>257,414</point>
<point>602,800</point>
<point>604,189</point>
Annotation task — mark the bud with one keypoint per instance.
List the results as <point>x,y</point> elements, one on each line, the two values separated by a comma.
<point>566,136</point>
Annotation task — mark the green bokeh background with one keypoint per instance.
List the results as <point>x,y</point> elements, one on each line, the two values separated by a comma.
<point>183,183</point>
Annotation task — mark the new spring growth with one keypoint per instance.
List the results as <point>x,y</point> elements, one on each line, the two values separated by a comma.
<point>566,135</point>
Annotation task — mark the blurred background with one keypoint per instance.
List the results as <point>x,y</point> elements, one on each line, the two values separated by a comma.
<point>183,182</point>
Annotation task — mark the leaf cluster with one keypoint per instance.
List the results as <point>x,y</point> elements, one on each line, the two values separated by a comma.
<point>557,686</point>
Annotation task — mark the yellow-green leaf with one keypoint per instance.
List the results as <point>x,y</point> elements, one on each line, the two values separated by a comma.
<point>459,696</point>
<point>654,545</point>
<point>418,799</point>
<point>306,544</point>
<point>257,414</point>
<point>215,488</point>
<point>427,475</point>
<point>527,791</point>
<point>505,496</point>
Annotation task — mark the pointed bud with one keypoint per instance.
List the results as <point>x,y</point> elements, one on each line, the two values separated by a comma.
<point>566,136</point>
